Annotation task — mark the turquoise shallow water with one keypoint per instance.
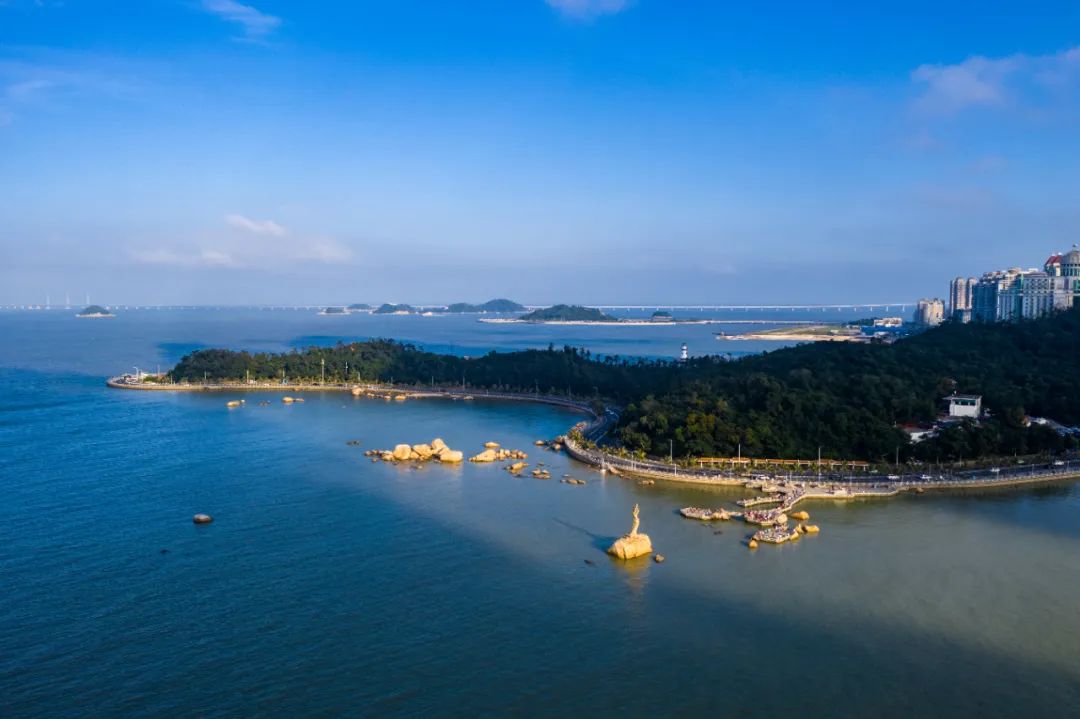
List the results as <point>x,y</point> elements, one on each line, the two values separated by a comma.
<point>331,586</point>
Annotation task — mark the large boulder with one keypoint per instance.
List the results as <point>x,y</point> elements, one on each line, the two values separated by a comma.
<point>488,455</point>
<point>402,452</point>
<point>424,451</point>
<point>451,456</point>
<point>437,444</point>
<point>491,445</point>
<point>629,546</point>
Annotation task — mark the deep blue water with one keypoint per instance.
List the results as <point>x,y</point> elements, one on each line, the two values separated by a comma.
<point>331,586</point>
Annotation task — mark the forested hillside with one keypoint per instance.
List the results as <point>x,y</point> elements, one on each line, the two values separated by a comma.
<point>846,398</point>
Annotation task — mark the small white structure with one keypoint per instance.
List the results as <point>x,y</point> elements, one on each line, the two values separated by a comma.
<point>684,354</point>
<point>965,405</point>
<point>888,322</point>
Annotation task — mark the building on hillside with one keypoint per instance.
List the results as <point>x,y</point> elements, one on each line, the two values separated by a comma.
<point>1015,294</point>
<point>965,405</point>
<point>929,313</point>
<point>960,298</point>
<point>888,322</point>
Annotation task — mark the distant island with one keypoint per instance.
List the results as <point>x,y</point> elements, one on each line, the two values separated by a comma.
<point>359,307</point>
<point>578,315</point>
<point>495,306</point>
<point>394,309</point>
<point>95,311</point>
<point>567,313</point>
<point>334,311</point>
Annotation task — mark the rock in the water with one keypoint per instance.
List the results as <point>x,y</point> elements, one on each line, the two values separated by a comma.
<point>437,444</point>
<point>752,544</point>
<point>202,519</point>
<point>812,529</point>
<point>424,451</point>
<point>801,516</point>
<point>488,455</point>
<point>451,456</point>
<point>402,452</point>
<point>658,558</point>
<point>629,546</point>
<point>491,445</point>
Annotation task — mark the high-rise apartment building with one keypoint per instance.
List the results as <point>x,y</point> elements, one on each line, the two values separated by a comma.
<point>1015,294</point>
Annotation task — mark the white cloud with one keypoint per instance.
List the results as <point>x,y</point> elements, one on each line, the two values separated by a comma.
<point>975,81</point>
<point>588,9</point>
<point>258,227</point>
<point>1016,80</point>
<point>255,25</point>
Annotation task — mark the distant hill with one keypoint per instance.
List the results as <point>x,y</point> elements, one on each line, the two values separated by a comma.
<point>661,316</point>
<point>334,311</point>
<point>359,307</point>
<point>499,305</point>
<point>391,309</point>
<point>568,313</point>
<point>95,311</point>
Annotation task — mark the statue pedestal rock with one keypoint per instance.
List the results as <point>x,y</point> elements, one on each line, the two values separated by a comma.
<point>633,544</point>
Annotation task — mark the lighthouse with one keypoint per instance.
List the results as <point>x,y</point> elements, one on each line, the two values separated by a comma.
<point>684,353</point>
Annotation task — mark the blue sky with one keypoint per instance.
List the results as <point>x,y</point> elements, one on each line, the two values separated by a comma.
<point>545,150</point>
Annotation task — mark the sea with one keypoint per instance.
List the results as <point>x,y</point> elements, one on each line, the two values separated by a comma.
<point>331,586</point>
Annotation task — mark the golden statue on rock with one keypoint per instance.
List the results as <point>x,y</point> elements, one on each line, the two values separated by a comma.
<point>633,544</point>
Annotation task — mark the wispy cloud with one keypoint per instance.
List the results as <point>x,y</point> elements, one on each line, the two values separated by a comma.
<point>257,227</point>
<point>588,9</point>
<point>1014,80</point>
<point>254,24</point>
<point>30,83</point>
<point>251,244</point>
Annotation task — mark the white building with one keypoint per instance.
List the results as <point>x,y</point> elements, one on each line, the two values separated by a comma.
<point>965,405</point>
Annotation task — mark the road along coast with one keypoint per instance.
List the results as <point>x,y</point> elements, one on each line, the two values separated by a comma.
<point>581,440</point>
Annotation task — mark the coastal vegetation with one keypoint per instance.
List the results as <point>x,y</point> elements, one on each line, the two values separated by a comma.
<point>848,400</point>
<point>393,309</point>
<point>568,313</point>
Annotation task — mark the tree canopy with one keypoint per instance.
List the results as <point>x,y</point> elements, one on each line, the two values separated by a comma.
<point>847,399</point>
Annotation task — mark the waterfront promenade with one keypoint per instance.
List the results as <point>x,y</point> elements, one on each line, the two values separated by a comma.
<point>827,486</point>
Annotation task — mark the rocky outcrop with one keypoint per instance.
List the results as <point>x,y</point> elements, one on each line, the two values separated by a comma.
<point>451,456</point>
<point>633,544</point>
<point>801,516</point>
<point>488,455</point>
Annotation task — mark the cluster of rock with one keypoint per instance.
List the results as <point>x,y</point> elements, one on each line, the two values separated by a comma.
<point>571,480</point>
<point>493,453</point>
<point>437,451</point>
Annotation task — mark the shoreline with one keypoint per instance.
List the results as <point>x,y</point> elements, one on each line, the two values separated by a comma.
<point>602,422</point>
<point>599,323</point>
